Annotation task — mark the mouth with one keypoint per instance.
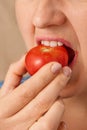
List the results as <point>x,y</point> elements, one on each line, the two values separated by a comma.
<point>72,54</point>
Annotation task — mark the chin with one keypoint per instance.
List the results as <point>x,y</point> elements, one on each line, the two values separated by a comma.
<point>66,94</point>
<point>69,91</point>
<point>73,86</point>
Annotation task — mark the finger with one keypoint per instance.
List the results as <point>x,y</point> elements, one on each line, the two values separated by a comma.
<point>29,89</point>
<point>51,120</point>
<point>45,98</point>
<point>14,76</point>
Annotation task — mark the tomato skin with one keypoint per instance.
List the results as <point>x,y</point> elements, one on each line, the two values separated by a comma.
<point>40,55</point>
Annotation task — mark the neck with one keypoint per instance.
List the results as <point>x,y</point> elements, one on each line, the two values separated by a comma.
<point>76,112</point>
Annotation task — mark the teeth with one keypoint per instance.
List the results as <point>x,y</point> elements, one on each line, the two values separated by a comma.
<point>51,43</point>
<point>46,43</point>
<point>60,44</point>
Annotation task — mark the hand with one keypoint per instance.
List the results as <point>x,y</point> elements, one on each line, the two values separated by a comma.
<point>33,105</point>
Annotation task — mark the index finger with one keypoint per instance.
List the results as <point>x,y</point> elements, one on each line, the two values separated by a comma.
<point>23,94</point>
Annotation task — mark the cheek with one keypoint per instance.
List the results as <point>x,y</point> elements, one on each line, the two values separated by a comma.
<point>81,27</point>
<point>79,23</point>
<point>24,19</point>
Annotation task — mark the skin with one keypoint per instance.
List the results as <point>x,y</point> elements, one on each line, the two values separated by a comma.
<point>48,18</point>
<point>37,94</point>
<point>58,19</point>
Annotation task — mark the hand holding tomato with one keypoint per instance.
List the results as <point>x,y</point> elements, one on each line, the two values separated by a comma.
<point>39,93</point>
<point>40,55</point>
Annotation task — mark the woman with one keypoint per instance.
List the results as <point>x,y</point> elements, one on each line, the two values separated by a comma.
<point>35,104</point>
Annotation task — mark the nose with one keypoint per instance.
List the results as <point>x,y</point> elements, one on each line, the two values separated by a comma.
<point>48,13</point>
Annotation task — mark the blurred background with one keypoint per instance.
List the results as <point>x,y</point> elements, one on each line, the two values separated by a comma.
<point>11,43</point>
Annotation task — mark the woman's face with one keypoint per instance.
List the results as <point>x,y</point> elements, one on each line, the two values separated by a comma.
<point>55,19</point>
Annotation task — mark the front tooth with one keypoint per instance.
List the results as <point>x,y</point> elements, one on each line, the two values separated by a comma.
<point>45,43</point>
<point>60,43</point>
<point>42,42</point>
<point>53,43</point>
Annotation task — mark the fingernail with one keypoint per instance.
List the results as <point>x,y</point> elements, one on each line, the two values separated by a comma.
<point>67,71</point>
<point>56,67</point>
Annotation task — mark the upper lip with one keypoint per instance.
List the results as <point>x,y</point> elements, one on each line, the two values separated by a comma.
<point>65,42</point>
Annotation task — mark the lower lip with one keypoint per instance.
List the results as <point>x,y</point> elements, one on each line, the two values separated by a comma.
<point>71,65</point>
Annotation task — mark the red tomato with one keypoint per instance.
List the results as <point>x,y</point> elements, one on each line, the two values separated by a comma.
<point>40,55</point>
